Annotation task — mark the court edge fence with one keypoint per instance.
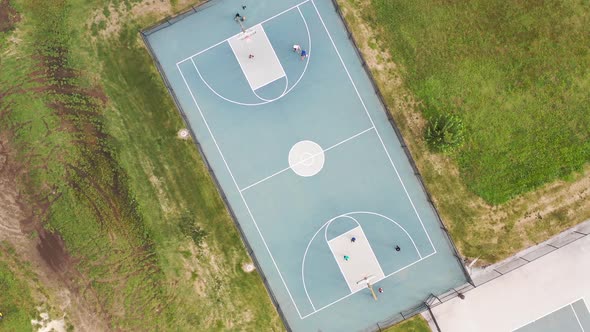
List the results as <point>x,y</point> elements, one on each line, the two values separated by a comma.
<point>398,317</point>
<point>489,273</point>
<point>144,34</point>
<point>169,21</point>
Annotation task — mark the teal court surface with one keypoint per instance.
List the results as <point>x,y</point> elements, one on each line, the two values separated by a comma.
<point>573,317</point>
<point>307,160</point>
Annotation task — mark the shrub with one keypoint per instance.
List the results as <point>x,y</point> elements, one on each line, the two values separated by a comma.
<point>444,133</point>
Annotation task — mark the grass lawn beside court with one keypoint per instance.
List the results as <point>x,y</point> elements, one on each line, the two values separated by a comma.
<point>16,302</point>
<point>95,133</point>
<point>92,130</point>
<point>414,324</point>
<point>516,73</point>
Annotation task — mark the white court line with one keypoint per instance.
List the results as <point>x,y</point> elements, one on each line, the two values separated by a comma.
<point>223,41</point>
<point>373,123</point>
<point>343,234</point>
<point>325,227</point>
<point>385,277</point>
<point>575,314</point>
<point>306,159</point>
<point>238,188</point>
<point>264,101</point>
<point>549,313</point>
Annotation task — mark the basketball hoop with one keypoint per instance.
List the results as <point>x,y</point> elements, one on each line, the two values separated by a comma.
<point>367,280</point>
<point>247,35</point>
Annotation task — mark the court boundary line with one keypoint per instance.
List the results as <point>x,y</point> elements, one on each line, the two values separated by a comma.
<point>240,191</point>
<point>552,312</point>
<point>386,276</point>
<point>372,122</point>
<point>308,158</point>
<point>327,224</point>
<point>237,34</point>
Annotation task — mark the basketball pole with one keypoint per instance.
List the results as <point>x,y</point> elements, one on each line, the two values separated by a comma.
<point>372,291</point>
<point>241,24</point>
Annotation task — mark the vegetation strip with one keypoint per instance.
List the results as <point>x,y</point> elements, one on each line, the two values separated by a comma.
<point>149,243</point>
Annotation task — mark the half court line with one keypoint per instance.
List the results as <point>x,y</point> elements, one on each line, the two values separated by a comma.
<point>372,123</point>
<point>227,39</point>
<point>306,159</point>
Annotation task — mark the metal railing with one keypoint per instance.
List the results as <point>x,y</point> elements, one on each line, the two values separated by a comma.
<point>424,306</point>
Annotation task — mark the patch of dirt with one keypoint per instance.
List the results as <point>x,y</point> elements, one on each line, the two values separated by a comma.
<point>46,324</point>
<point>45,251</point>
<point>248,267</point>
<point>167,207</point>
<point>53,251</point>
<point>8,16</point>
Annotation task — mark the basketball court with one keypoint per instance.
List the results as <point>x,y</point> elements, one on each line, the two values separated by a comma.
<point>307,161</point>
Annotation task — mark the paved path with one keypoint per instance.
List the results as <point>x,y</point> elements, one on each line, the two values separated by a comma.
<point>523,295</point>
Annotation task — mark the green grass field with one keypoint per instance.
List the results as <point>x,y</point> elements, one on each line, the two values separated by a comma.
<point>415,324</point>
<point>94,128</point>
<point>95,135</point>
<point>16,302</point>
<point>516,72</point>
<point>523,99</point>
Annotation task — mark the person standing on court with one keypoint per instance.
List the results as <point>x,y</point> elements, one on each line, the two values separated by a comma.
<point>297,48</point>
<point>353,239</point>
<point>397,248</point>
<point>239,17</point>
<point>303,54</point>
<point>346,258</point>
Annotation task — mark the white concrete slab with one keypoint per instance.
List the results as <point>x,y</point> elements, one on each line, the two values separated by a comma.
<point>257,57</point>
<point>523,295</point>
<point>362,262</point>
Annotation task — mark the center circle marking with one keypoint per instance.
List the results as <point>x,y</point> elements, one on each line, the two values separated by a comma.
<point>306,158</point>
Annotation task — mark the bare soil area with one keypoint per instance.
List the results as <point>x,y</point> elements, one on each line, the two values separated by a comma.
<point>8,16</point>
<point>44,250</point>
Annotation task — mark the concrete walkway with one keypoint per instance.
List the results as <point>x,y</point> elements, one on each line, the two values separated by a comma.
<point>523,295</point>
